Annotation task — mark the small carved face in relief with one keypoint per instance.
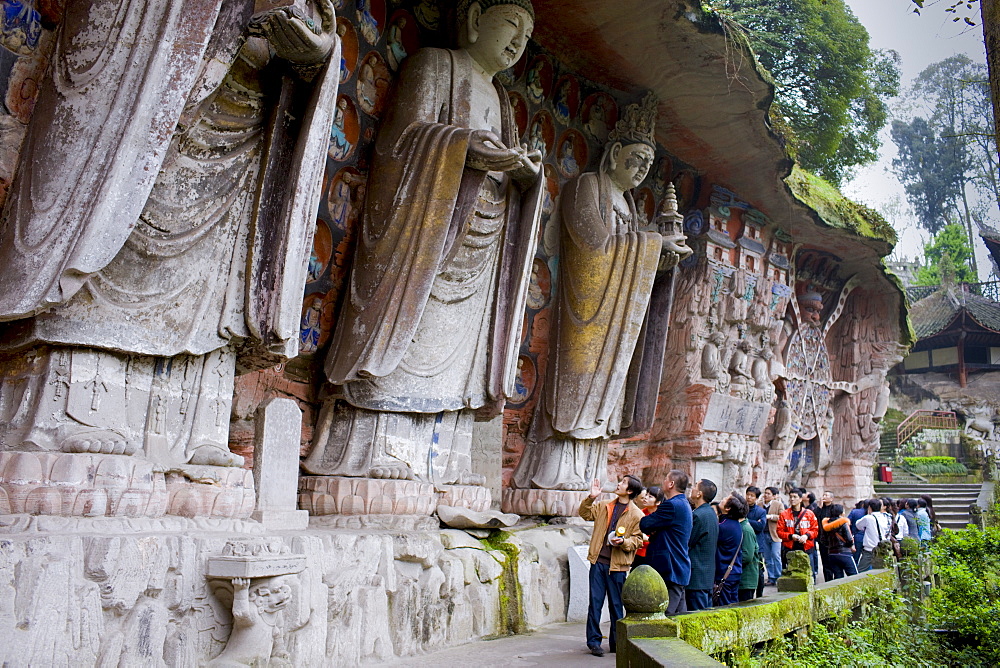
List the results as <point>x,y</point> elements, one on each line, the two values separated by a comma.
<point>497,37</point>
<point>630,165</point>
<point>269,598</point>
<point>811,311</point>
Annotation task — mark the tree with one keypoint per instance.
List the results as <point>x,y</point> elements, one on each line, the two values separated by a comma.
<point>953,153</point>
<point>929,170</point>
<point>829,84</point>
<point>947,255</point>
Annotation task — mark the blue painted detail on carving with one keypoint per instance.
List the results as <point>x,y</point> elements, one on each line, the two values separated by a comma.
<point>694,223</point>
<point>20,26</point>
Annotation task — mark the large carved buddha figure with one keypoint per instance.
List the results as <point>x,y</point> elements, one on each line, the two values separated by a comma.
<point>427,338</point>
<point>134,275</point>
<point>607,267</point>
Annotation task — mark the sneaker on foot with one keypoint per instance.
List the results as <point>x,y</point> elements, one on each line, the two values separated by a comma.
<point>597,651</point>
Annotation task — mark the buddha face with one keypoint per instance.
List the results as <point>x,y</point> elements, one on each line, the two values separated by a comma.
<point>496,38</point>
<point>629,165</point>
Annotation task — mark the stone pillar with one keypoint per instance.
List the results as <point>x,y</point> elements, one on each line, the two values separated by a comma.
<point>276,465</point>
<point>487,460</point>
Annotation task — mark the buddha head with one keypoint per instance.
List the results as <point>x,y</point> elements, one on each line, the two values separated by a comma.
<point>495,32</point>
<point>630,150</point>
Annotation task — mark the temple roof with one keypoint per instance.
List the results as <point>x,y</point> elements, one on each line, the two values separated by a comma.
<point>936,313</point>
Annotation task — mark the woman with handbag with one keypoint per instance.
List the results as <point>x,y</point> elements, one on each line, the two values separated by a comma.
<point>728,557</point>
<point>836,535</point>
<point>877,527</point>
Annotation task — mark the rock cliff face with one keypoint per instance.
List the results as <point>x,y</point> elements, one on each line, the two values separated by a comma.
<point>121,592</point>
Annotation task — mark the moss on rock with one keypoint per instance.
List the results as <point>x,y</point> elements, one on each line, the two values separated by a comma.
<point>511,597</point>
<point>835,209</point>
<point>644,591</point>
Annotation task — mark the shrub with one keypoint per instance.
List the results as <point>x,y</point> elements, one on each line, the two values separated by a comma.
<point>934,466</point>
<point>884,638</point>
<point>967,604</point>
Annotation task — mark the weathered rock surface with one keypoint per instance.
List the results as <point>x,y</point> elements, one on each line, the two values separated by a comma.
<point>112,592</point>
<point>463,518</point>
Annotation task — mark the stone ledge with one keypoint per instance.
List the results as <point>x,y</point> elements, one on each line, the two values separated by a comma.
<point>668,652</point>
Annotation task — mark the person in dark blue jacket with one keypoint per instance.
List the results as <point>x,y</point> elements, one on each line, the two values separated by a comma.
<point>859,511</point>
<point>701,545</point>
<point>757,519</point>
<point>669,529</point>
<point>734,508</point>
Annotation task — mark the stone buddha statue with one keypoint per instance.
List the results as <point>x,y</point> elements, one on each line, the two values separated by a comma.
<point>426,342</point>
<point>607,267</point>
<point>137,271</point>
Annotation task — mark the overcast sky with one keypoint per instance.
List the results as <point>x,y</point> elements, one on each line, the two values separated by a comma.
<point>920,41</point>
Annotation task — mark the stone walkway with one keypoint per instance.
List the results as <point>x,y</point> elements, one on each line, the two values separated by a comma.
<point>553,645</point>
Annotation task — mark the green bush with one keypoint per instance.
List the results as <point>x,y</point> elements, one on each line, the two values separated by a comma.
<point>934,466</point>
<point>884,638</point>
<point>968,601</point>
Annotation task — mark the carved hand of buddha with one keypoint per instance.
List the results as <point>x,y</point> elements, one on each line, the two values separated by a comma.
<point>488,153</point>
<point>296,37</point>
<point>674,243</point>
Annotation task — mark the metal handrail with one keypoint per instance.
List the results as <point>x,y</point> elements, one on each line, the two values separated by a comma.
<point>923,419</point>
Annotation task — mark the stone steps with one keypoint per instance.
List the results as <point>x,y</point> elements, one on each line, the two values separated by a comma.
<point>951,502</point>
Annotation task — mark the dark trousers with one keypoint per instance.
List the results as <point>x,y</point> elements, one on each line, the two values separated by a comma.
<point>841,565</point>
<point>698,599</point>
<point>865,562</point>
<point>604,583</point>
<point>746,594</point>
<point>859,545</point>
<point>678,598</point>
<point>824,556</point>
<point>729,593</point>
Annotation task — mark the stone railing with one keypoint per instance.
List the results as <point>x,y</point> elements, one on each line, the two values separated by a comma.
<point>648,638</point>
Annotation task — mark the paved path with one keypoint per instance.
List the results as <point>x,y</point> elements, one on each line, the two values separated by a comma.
<point>553,645</point>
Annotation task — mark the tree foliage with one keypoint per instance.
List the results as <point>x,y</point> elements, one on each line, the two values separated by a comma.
<point>830,85</point>
<point>962,10</point>
<point>948,255</point>
<point>947,150</point>
<point>929,169</point>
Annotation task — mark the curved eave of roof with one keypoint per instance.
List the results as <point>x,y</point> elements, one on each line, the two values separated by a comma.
<point>939,311</point>
<point>713,114</point>
<point>992,240</point>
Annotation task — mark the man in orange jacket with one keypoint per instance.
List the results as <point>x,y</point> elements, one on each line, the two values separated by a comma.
<point>797,528</point>
<point>612,547</point>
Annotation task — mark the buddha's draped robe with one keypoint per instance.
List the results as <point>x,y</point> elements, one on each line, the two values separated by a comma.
<point>607,267</point>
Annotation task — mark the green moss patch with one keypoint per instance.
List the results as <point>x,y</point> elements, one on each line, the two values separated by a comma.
<point>836,210</point>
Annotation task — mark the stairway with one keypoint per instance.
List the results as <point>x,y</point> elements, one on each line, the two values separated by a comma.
<point>887,446</point>
<point>951,502</point>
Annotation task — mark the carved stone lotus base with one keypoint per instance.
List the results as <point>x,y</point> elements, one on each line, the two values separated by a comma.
<point>211,491</point>
<point>81,485</point>
<point>376,522</point>
<point>548,502</point>
<point>335,495</point>
<point>89,485</point>
<point>472,497</point>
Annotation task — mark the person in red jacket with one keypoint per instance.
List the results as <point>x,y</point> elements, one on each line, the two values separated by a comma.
<point>648,501</point>
<point>797,528</point>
